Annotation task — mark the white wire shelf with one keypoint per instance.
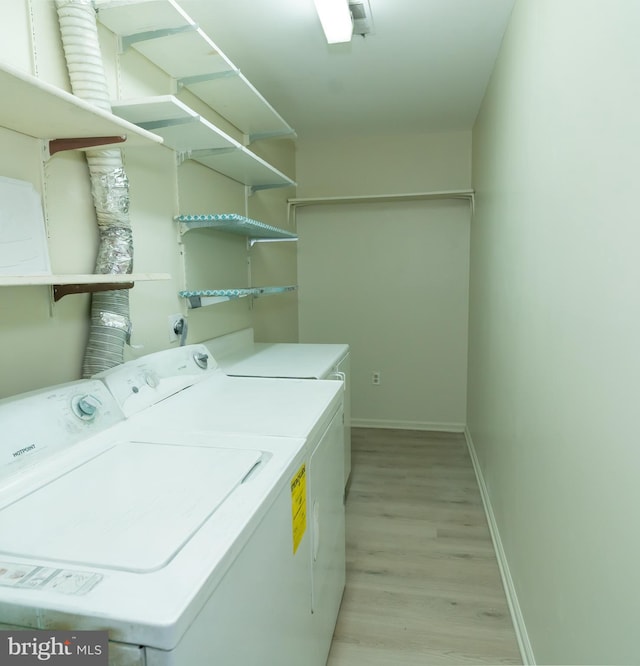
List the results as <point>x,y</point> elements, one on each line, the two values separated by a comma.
<point>204,297</point>
<point>234,224</point>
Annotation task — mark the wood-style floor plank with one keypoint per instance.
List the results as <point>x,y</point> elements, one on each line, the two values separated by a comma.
<point>423,585</point>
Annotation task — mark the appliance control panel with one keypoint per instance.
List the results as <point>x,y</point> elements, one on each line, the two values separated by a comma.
<point>41,422</point>
<point>143,382</point>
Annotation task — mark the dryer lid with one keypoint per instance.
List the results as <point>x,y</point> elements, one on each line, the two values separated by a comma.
<point>132,508</point>
<point>281,359</point>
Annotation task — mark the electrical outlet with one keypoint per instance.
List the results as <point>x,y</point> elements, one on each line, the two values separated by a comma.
<point>375,377</point>
<point>175,320</point>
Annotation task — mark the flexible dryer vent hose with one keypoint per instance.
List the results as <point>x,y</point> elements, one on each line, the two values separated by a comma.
<point>110,324</point>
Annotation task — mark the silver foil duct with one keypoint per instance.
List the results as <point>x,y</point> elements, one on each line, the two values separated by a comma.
<point>110,325</point>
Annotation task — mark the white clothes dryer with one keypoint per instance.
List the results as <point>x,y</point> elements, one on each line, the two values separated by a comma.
<point>238,355</point>
<point>280,408</point>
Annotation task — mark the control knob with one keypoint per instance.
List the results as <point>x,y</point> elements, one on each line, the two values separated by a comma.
<point>151,380</point>
<point>86,407</point>
<point>201,359</point>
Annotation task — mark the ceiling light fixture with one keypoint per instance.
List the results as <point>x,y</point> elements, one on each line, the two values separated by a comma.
<point>336,20</point>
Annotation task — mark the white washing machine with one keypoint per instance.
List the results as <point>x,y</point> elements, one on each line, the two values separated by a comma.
<point>178,544</point>
<point>289,408</point>
<point>239,356</point>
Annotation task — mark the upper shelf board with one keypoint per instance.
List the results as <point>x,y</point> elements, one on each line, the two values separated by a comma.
<point>73,278</point>
<point>245,167</point>
<point>43,111</point>
<point>233,224</point>
<point>181,128</point>
<point>63,285</point>
<point>236,99</point>
<point>188,133</point>
<point>168,37</point>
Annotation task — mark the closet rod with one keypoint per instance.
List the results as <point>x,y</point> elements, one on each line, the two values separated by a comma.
<point>292,204</point>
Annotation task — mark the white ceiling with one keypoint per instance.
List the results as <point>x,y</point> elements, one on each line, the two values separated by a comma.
<point>424,68</point>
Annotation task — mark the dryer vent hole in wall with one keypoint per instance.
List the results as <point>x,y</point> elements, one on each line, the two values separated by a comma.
<point>375,377</point>
<point>177,326</point>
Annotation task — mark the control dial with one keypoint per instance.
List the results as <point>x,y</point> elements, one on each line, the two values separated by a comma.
<point>85,407</point>
<point>201,359</point>
<point>151,379</point>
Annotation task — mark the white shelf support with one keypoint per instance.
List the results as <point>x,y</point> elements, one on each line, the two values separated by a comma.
<point>259,136</point>
<point>162,124</point>
<point>253,241</point>
<point>199,154</point>
<point>127,41</point>
<point>187,81</point>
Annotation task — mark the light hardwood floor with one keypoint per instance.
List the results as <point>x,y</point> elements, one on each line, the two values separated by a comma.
<point>423,585</point>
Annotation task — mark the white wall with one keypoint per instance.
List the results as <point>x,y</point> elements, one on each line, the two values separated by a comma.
<point>554,355</point>
<point>40,346</point>
<point>394,164</point>
<point>389,279</point>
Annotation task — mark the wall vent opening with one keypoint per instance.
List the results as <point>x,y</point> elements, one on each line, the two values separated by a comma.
<point>362,21</point>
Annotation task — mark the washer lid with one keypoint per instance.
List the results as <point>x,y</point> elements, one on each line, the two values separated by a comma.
<point>131,508</point>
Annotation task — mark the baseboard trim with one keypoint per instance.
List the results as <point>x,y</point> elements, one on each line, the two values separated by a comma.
<point>407,425</point>
<point>526,651</point>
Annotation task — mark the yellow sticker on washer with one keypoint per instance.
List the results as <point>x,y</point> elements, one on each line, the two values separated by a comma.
<point>299,505</point>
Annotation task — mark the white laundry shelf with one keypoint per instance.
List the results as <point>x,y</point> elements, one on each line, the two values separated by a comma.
<point>63,285</point>
<point>70,123</point>
<point>234,224</point>
<point>203,297</point>
<point>194,137</point>
<point>167,36</point>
